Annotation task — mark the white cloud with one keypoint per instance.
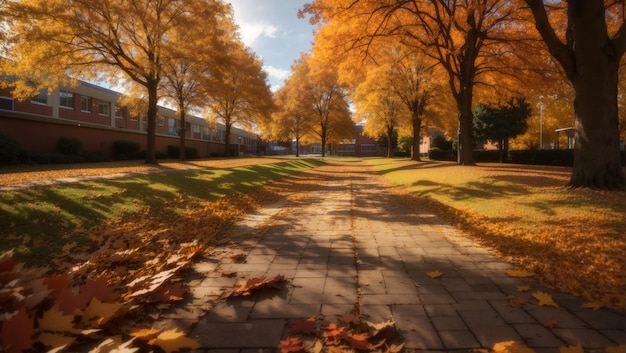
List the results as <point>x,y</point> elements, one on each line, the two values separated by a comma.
<point>280,74</point>
<point>250,31</point>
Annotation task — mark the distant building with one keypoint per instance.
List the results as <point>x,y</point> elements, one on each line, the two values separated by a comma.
<point>92,115</point>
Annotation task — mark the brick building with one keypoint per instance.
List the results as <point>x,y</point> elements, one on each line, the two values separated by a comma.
<point>90,113</point>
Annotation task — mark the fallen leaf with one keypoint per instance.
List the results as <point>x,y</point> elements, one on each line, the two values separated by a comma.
<point>103,311</point>
<point>349,318</point>
<point>572,349</point>
<point>108,345</point>
<point>303,326</point>
<point>333,332</point>
<point>174,340</point>
<point>97,288</point>
<point>434,274</point>
<point>290,345</point>
<point>395,348</point>
<point>592,305</point>
<point>55,341</point>
<point>519,273</point>
<point>17,332</point>
<point>523,288</point>
<point>544,299</point>
<point>511,347</point>
<point>358,341</point>
<point>145,334</point>
<point>54,320</point>
<point>551,323</point>
<point>377,328</point>
<point>616,349</point>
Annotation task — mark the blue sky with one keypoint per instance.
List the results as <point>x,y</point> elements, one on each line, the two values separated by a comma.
<point>272,29</point>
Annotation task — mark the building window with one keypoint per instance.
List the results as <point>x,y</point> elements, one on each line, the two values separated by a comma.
<point>66,99</point>
<point>6,103</point>
<point>120,112</point>
<point>368,148</point>
<point>42,97</point>
<point>85,104</point>
<point>171,127</point>
<point>103,108</point>
<point>206,133</point>
<point>345,148</point>
<point>160,120</point>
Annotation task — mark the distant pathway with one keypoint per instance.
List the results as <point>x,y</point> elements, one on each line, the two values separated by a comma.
<point>354,243</point>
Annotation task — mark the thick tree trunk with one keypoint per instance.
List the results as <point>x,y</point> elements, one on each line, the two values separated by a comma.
<point>297,147</point>
<point>152,87</point>
<point>389,144</point>
<point>416,123</point>
<point>466,130</point>
<point>596,150</point>
<point>227,127</point>
<point>183,133</point>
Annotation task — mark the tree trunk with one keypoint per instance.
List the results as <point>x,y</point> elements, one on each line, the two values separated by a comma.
<point>416,123</point>
<point>297,147</point>
<point>152,87</point>
<point>590,60</point>
<point>596,150</point>
<point>389,144</point>
<point>227,127</point>
<point>466,129</point>
<point>183,133</point>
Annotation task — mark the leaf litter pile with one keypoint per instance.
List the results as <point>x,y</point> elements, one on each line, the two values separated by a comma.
<point>104,299</point>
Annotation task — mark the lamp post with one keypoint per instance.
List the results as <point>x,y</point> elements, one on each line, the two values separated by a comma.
<point>540,105</point>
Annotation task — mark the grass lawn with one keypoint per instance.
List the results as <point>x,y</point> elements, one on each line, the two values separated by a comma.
<point>574,239</point>
<point>40,222</point>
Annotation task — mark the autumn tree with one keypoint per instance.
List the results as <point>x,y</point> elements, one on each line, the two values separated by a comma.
<point>500,122</point>
<point>328,102</point>
<point>463,36</point>
<point>194,58</point>
<point>242,95</point>
<point>589,45</point>
<point>86,37</point>
<point>292,120</point>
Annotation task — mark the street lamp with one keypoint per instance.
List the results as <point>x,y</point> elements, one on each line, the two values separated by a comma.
<point>541,106</point>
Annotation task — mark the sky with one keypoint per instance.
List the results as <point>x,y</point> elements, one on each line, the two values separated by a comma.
<point>272,29</point>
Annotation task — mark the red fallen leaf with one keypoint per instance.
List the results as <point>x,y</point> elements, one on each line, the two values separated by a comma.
<point>70,301</point>
<point>333,332</point>
<point>97,288</point>
<point>58,282</point>
<point>167,293</point>
<point>17,332</point>
<point>7,263</point>
<point>552,323</point>
<point>358,341</point>
<point>303,326</point>
<point>290,345</point>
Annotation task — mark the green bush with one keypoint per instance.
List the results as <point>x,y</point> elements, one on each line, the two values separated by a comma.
<point>543,157</point>
<point>69,146</point>
<point>125,150</point>
<point>437,154</point>
<point>402,154</point>
<point>9,150</point>
<point>174,152</point>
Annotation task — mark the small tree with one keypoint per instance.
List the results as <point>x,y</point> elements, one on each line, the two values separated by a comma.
<point>502,122</point>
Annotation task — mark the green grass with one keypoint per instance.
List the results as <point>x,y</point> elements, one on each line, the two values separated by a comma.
<point>38,222</point>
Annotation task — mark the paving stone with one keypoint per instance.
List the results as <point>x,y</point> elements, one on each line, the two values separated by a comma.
<point>588,338</point>
<point>251,334</point>
<point>458,340</point>
<point>536,335</point>
<point>232,310</point>
<point>418,333</point>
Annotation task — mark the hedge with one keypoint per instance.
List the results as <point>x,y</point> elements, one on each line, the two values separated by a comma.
<point>174,152</point>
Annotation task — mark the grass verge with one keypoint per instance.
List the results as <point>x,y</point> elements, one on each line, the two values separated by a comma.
<point>40,222</point>
<point>572,238</point>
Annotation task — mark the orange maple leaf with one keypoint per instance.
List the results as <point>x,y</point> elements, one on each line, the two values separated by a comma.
<point>291,345</point>
<point>358,341</point>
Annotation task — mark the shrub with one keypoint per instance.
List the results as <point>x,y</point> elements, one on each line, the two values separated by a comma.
<point>440,141</point>
<point>487,156</point>
<point>125,150</point>
<point>437,154</point>
<point>174,152</point>
<point>9,150</point>
<point>543,157</point>
<point>69,146</point>
<point>402,154</point>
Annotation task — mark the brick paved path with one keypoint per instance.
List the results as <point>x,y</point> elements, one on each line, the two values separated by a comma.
<point>353,242</point>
